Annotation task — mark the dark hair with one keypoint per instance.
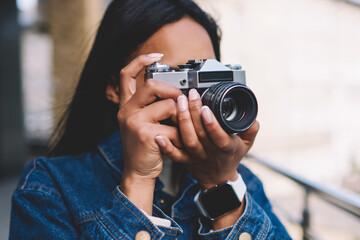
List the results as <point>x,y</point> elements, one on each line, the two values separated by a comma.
<point>90,117</point>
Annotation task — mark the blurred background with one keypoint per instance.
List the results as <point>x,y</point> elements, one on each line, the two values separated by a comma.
<point>302,60</point>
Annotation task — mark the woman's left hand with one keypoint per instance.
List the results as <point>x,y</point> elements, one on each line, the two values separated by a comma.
<point>210,154</point>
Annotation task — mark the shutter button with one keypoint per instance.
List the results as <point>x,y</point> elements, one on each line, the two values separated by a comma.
<point>245,236</point>
<point>142,235</point>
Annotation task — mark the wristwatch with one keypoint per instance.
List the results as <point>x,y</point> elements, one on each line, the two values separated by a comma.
<point>221,199</point>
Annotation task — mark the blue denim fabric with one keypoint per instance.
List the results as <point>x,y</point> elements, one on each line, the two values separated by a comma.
<point>77,197</point>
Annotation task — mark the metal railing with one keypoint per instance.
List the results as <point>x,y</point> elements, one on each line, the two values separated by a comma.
<point>347,203</point>
<point>353,2</point>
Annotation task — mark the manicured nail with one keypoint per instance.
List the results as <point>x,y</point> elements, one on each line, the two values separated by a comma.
<point>160,140</point>
<point>193,95</point>
<point>155,55</point>
<point>206,114</point>
<point>182,103</point>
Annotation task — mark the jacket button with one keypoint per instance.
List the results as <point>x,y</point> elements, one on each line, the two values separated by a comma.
<point>142,235</point>
<point>245,236</point>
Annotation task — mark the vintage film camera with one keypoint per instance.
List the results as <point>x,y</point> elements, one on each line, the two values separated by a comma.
<point>222,88</point>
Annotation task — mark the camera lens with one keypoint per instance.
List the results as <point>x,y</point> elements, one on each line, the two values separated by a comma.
<point>232,111</point>
<point>233,104</point>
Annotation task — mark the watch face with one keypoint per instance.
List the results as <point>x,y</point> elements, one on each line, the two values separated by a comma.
<point>220,200</point>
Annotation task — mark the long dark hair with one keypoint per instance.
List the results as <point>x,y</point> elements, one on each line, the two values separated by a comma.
<point>90,117</point>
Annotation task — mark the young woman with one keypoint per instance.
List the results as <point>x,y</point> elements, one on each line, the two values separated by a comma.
<point>116,169</point>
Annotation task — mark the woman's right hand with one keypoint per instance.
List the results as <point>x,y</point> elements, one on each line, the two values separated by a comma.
<point>140,111</point>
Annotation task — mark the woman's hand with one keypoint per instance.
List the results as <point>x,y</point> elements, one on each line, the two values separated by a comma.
<point>210,155</point>
<point>139,117</point>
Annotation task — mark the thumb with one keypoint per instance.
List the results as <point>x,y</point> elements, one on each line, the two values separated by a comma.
<point>249,135</point>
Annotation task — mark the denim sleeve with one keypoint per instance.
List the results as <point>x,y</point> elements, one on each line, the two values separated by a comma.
<point>124,220</point>
<point>40,213</point>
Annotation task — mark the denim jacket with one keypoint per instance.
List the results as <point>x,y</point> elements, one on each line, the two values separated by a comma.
<point>78,197</point>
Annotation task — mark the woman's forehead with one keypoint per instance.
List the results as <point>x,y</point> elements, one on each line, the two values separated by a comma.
<point>180,41</point>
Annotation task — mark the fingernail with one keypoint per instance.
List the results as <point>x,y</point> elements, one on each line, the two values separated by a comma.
<point>206,114</point>
<point>193,95</point>
<point>161,141</point>
<point>155,55</point>
<point>182,103</point>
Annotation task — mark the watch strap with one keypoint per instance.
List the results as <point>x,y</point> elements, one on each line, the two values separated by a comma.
<point>239,187</point>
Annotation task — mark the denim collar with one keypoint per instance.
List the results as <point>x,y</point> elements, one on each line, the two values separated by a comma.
<point>184,207</point>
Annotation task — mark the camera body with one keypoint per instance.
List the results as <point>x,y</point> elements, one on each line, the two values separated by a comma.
<point>221,87</point>
<point>198,74</point>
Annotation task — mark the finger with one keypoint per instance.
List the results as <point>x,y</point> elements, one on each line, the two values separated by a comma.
<point>218,136</point>
<point>187,129</point>
<point>171,151</point>
<point>158,111</point>
<point>169,132</point>
<point>249,135</point>
<point>195,105</point>
<point>152,90</point>
<point>129,73</point>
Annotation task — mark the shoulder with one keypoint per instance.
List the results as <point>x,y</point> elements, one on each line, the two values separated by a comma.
<point>38,175</point>
<point>53,175</point>
<point>37,178</point>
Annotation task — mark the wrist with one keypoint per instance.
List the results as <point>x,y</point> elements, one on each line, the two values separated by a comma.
<point>131,178</point>
<point>140,190</point>
<point>233,176</point>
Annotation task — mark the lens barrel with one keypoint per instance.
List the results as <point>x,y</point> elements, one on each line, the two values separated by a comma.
<point>233,104</point>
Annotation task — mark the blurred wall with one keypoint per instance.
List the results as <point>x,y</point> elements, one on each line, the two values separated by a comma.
<point>11,116</point>
<point>73,26</point>
<point>302,61</point>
